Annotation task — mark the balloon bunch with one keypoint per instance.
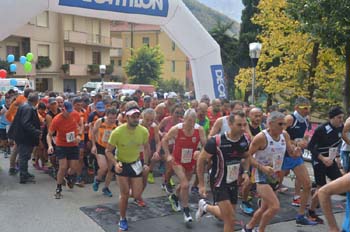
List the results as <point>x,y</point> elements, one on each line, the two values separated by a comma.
<point>26,61</point>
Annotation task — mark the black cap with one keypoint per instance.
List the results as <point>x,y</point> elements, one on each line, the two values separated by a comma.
<point>335,111</point>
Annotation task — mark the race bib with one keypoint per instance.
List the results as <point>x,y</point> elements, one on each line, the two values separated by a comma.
<point>70,137</point>
<point>106,135</point>
<point>137,167</point>
<point>333,152</point>
<point>186,155</point>
<point>232,173</point>
<point>277,162</point>
<point>171,141</point>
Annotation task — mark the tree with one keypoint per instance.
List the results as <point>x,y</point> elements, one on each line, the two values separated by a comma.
<point>145,65</point>
<point>328,22</point>
<point>229,45</point>
<point>284,66</point>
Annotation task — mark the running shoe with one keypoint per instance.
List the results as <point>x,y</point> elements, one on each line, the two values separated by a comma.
<point>296,202</point>
<point>69,182</point>
<point>107,192</point>
<point>314,217</point>
<point>150,178</point>
<point>123,225</point>
<point>171,181</point>
<point>201,211</point>
<point>167,188</point>
<point>140,202</point>
<point>302,220</point>
<point>79,182</point>
<point>245,229</point>
<point>187,215</point>
<point>13,171</point>
<point>282,189</point>
<point>95,185</point>
<point>58,193</point>
<point>174,201</point>
<point>246,208</point>
<point>194,190</point>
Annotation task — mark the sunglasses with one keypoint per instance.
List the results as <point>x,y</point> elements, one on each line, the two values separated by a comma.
<point>282,123</point>
<point>304,107</point>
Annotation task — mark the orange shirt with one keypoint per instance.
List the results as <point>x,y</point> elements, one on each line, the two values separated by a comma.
<point>11,113</point>
<point>66,128</point>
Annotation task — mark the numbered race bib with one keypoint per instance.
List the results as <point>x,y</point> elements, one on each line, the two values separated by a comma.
<point>106,135</point>
<point>232,173</point>
<point>137,167</point>
<point>70,137</point>
<point>277,162</point>
<point>333,152</point>
<point>186,155</point>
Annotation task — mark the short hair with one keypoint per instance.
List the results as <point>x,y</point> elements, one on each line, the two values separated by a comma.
<point>77,100</point>
<point>190,113</point>
<point>41,106</point>
<point>33,97</point>
<point>234,103</point>
<point>274,116</point>
<point>149,111</point>
<point>232,116</point>
<point>111,110</point>
<point>174,107</point>
<point>272,108</point>
<point>131,104</point>
<point>27,91</point>
<point>302,101</point>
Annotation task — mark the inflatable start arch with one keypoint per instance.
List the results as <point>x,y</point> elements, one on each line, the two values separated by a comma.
<point>171,15</point>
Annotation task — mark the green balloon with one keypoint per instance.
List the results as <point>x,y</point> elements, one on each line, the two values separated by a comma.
<point>28,67</point>
<point>29,56</point>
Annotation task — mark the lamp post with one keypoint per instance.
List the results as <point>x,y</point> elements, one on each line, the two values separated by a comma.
<point>254,53</point>
<point>102,73</point>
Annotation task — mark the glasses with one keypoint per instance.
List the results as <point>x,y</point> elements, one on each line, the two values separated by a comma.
<point>178,113</point>
<point>304,107</point>
<point>282,123</point>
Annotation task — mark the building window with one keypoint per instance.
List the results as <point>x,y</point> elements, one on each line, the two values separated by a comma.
<point>145,41</point>
<point>69,56</point>
<point>43,50</point>
<point>173,68</point>
<point>96,57</point>
<point>14,50</point>
<point>42,20</point>
<point>173,46</point>
<point>119,63</point>
<point>112,62</point>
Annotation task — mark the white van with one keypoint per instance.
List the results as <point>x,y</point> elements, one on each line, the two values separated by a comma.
<point>21,84</point>
<point>108,86</point>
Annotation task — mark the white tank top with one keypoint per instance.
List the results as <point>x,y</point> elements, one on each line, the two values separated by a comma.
<point>225,127</point>
<point>273,153</point>
<point>344,145</point>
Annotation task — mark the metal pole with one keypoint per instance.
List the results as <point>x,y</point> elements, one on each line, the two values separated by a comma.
<point>102,82</point>
<point>253,86</point>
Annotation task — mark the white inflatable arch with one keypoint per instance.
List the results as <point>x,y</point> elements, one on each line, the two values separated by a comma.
<point>171,15</point>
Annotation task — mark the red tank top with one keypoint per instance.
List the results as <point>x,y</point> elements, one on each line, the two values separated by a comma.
<point>185,146</point>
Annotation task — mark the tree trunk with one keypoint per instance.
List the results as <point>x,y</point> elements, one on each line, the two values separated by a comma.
<point>312,70</point>
<point>347,78</point>
<point>268,101</point>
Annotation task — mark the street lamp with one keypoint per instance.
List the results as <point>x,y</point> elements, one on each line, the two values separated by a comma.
<point>102,73</point>
<point>254,53</point>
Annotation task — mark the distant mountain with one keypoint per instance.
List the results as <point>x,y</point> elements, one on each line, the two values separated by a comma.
<point>231,8</point>
<point>209,17</point>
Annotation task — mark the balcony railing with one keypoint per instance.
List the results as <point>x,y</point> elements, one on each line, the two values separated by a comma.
<point>91,39</point>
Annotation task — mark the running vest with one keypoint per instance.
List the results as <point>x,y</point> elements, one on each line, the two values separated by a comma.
<point>344,145</point>
<point>273,153</point>
<point>185,146</point>
<point>104,131</point>
<point>297,130</point>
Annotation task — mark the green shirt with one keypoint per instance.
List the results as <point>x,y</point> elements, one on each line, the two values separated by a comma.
<point>205,124</point>
<point>128,142</point>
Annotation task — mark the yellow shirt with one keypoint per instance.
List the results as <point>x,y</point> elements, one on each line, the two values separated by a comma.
<point>128,142</point>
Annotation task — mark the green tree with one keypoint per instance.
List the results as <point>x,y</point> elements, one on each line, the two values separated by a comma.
<point>145,66</point>
<point>328,22</point>
<point>228,44</point>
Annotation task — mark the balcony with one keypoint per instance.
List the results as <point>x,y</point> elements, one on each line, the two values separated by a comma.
<point>116,52</point>
<point>91,39</point>
<point>20,70</point>
<point>75,69</point>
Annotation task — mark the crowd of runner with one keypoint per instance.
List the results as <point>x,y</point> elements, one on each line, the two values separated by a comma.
<point>234,148</point>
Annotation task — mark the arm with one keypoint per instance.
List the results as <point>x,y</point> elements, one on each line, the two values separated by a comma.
<point>165,141</point>
<point>216,127</point>
<point>94,135</point>
<point>118,168</point>
<point>158,144</point>
<point>203,157</point>
<point>51,131</point>
<point>293,151</point>
<point>345,131</point>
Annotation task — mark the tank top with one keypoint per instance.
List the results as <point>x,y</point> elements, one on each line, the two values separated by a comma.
<point>273,153</point>
<point>344,145</point>
<point>225,127</point>
<point>104,131</point>
<point>185,146</point>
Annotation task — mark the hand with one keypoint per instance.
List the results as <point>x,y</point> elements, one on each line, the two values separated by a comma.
<point>327,161</point>
<point>118,167</point>
<point>302,143</point>
<point>297,152</point>
<point>246,179</point>
<point>77,139</point>
<point>202,190</point>
<point>146,168</point>
<point>267,170</point>
<point>169,158</point>
<point>155,156</point>
<point>94,150</point>
<point>196,155</point>
<point>50,150</point>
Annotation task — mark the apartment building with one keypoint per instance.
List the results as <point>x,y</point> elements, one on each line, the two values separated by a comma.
<point>134,36</point>
<point>67,50</point>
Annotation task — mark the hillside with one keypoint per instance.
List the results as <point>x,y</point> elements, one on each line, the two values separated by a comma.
<point>209,17</point>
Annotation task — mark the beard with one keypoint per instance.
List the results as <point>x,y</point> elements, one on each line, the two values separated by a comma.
<point>133,124</point>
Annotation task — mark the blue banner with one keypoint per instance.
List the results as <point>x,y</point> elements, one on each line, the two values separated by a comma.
<point>217,73</point>
<point>143,7</point>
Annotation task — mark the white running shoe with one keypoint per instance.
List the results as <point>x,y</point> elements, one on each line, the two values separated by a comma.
<point>200,212</point>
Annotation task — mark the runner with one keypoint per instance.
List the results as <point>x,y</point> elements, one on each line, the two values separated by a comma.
<point>226,152</point>
<point>187,136</point>
<point>103,127</point>
<point>268,148</point>
<point>127,140</point>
